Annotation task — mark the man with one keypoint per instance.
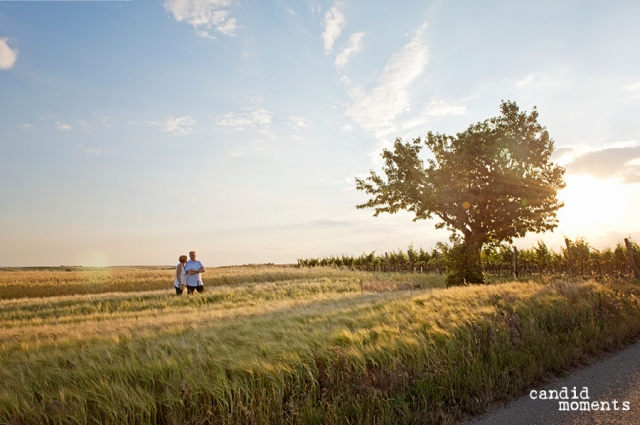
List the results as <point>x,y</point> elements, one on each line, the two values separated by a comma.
<point>194,268</point>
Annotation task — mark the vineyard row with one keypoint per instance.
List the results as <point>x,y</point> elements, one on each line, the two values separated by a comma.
<point>577,258</point>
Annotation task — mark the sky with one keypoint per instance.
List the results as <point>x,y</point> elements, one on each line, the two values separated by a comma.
<point>132,132</point>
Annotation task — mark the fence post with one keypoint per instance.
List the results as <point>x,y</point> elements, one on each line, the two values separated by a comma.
<point>566,241</point>
<point>515,262</point>
<point>438,265</point>
<point>632,260</point>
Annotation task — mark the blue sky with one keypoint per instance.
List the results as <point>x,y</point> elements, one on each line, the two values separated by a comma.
<point>133,132</point>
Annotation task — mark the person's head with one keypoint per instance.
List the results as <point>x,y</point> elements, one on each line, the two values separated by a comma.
<point>192,255</point>
<point>183,259</point>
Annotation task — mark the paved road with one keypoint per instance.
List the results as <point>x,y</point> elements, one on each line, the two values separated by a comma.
<point>615,378</point>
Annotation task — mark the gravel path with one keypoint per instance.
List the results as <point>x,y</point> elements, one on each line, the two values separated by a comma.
<point>615,378</point>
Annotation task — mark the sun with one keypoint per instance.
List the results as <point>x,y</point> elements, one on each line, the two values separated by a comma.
<point>591,203</point>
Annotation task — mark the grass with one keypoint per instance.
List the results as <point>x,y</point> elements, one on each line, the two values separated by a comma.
<point>52,282</point>
<point>330,347</point>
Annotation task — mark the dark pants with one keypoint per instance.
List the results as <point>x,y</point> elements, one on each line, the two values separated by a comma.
<point>190,289</point>
<point>178,290</point>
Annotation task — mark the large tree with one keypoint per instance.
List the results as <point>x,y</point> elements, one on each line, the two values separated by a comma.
<point>489,184</point>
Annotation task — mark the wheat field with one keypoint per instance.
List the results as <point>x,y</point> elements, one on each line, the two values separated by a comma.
<point>286,345</point>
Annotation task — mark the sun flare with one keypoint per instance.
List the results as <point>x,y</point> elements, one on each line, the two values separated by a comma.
<point>590,202</point>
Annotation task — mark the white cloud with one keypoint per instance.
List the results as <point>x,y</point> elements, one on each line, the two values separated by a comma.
<point>378,109</point>
<point>621,144</point>
<point>26,125</point>
<point>345,79</point>
<point>441,108</point>
<point>334,23</point>
<point>91,151</point>
<point>633,163</point>
<point>346,127</point>
<point>564,155</point>
<point>526,81</point>
<point>354,46</point>
<point>239,151</point>
<point>618,160</point>
<point>202,15</point>
<point>299,122</point>
<point>249,117</point>
<point>176,126</point>
<point>538,81</point>
<point>63,127</point>
<point>414,122</point>
<point>255,146</point>
<point>634,89</point>
<point>205,34</point>
<point>8,56</point>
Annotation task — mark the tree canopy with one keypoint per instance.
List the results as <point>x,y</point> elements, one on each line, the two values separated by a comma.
<point>491,183</point>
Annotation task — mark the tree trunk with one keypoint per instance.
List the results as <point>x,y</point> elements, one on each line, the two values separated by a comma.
<point>466,262</point>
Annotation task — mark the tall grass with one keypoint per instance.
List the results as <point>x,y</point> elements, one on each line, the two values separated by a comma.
<point>17,283</point>
<point>347,348</point>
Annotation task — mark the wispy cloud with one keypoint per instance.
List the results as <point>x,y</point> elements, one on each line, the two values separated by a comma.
<point>634,89</point>
<point>526,81</point>
<point>378,109</point>
<point>354,46</point>
<point>203,15</point>
<point>255,146</point>
<point>249,117</point>
<point>299,122</point>
<point>539,80</point>
<point>414,122</point>
<point>63,127</point>
<point>442,108</point>
<point>334,23</point>
<point>327,222</point>
<point>619,160</point>
<point>435,109</point>
<point>90,150</point>
<point>175,126</point>
<point>8,56</point>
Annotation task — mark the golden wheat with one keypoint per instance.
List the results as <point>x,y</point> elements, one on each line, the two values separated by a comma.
<point>326,348</point>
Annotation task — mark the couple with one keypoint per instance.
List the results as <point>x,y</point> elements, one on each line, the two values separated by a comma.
<point>188,273</point>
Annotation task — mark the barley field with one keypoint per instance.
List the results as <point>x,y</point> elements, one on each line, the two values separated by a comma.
<point>272,345</point>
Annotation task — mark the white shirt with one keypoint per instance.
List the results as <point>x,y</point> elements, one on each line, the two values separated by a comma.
<point>196,279</point>
<point>183,277</point>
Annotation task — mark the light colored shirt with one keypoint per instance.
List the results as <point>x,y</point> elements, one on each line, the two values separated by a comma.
<point>195,279</point>
<point>183,277</point>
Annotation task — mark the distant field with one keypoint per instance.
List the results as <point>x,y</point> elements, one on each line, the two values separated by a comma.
<point>286,345</point>
<point>55,281</point>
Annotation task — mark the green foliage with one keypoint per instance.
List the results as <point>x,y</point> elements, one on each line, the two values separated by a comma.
<point>458,259</point>
<point>394,261</point>
<point>491,183</point>
<point>495,260</point>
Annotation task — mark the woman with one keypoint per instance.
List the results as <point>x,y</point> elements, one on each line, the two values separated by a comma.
<point>181,275</point>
